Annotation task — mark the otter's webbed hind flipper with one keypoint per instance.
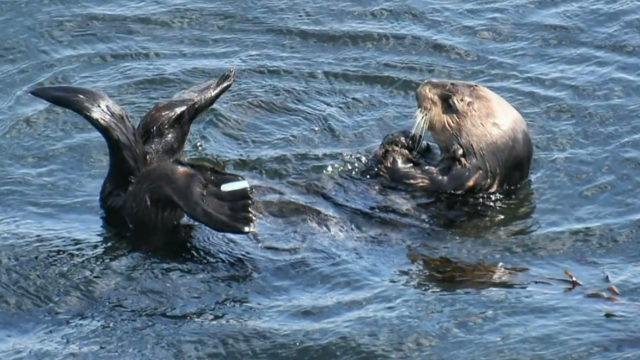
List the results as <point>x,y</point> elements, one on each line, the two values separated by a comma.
<point>164,129</point>
<point>204,95</point>
<point>126,154</point>
<point>104,115</point>
<point>222,203</point>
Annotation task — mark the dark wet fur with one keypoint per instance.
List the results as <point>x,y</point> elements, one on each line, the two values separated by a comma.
<point>399,162</point>
<point>408,148</point>
<point>174,118</point>
<point>402,157</point>
<point>149,188</point>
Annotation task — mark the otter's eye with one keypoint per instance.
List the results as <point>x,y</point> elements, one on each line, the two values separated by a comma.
<point>448,105</point>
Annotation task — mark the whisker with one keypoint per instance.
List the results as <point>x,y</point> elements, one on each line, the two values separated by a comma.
<point>417,117</point>
<point>421,122</point>
<point>425,123</point>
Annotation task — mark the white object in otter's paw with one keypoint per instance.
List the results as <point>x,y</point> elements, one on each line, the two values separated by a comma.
<point>233,186</point>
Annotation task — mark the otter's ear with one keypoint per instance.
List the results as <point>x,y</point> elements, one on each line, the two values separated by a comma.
<point>471,105</point>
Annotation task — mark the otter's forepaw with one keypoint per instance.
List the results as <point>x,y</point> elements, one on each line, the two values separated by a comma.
<point>422,151</point>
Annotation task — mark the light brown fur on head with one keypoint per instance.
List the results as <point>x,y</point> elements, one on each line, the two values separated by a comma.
<point>484,142</point>
<point>465,118</point>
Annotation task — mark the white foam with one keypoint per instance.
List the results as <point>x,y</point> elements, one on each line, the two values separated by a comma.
<point>236,185</point>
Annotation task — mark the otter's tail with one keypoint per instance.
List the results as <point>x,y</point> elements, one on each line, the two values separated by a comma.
<point>125,150</point>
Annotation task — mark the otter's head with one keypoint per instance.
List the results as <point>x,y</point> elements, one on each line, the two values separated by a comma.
<point>471,118</point>
<point>465,115</point>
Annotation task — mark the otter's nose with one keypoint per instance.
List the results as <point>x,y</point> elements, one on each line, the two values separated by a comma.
<point>435,86</point>
<point>421,94</point>
<point>424,91</point>
<point>426,85</point>
<point>438,84</point>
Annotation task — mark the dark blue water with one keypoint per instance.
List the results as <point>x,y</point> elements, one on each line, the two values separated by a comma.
<point>329,275</point>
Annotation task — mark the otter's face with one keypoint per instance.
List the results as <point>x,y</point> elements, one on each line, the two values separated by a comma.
<point>447,109</point>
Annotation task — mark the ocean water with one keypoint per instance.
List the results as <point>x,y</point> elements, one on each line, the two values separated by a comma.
<point>340,268</point>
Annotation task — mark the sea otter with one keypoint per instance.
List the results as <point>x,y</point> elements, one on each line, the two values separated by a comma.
<point>149,188</point>
<point>483,142</point>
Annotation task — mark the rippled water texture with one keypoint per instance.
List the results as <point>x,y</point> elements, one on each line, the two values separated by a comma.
<point>340,268</point>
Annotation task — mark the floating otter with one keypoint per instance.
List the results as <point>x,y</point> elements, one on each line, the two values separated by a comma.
<point>483,142</point>
<point>148,187</point>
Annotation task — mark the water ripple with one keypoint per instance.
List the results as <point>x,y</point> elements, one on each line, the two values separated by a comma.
<point>329,273</point>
